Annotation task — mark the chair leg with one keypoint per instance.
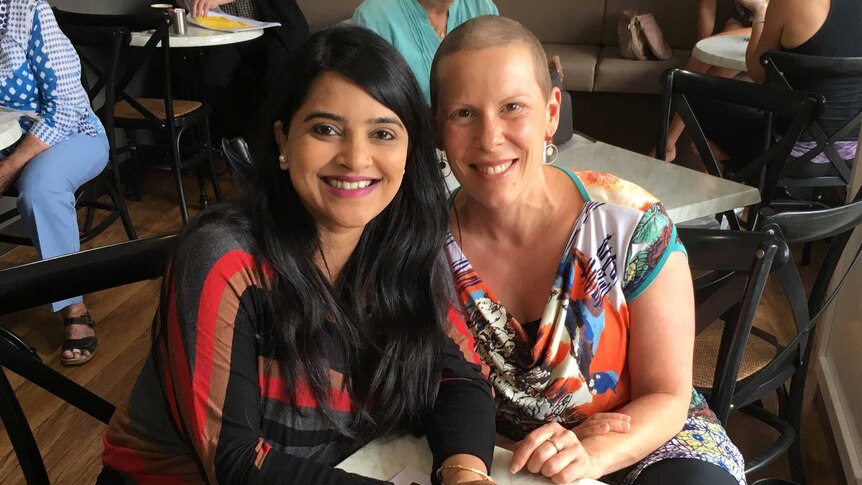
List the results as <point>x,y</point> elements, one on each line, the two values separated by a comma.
<point>20,435</point>
<point>209,149</point>
<point>178,173</point>
<point>115,190</point>
<point>89,194</point>
<point>202,185</point>
<point>136,167</point>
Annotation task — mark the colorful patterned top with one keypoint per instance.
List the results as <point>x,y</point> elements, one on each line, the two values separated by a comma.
<point>572,363</point>
<point>40,71</point>
<point>575,364</point>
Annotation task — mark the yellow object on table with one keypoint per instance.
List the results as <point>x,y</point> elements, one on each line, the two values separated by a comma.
<point>220,23</point>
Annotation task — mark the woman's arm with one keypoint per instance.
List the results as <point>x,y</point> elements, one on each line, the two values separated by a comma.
<point>210,366</point>
<point>766,32</point>
<point>461,427</point>
<point>200,8</point>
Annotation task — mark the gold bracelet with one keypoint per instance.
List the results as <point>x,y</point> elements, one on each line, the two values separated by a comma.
<point>482,474</point>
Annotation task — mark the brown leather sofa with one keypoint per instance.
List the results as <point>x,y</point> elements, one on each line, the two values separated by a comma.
<point>582,32</point>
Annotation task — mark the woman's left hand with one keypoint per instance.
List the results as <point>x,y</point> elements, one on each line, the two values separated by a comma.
<point>556,453</point>
<point>9,171</point>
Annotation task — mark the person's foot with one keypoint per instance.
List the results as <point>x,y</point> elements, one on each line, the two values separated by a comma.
<point>74,331</point>
<point>669,153</point>
<point>717,152</point>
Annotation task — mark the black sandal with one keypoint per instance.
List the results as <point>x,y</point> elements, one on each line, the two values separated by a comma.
<point>83,344</point>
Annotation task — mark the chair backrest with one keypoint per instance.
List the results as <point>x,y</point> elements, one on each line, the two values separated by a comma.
<point>733,268</point>
<point>680,87</point>
<point>133,59</point>
<point>782,67</point>
<point>100,49</point>
<point>238,157</point>
<point>53,279</point>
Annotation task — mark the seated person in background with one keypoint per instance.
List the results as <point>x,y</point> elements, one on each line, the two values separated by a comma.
<point>237,78</point>
<point>313,314</point>
<point>61,151</point>
<point>416,27</point>
<point>828,28</point>
<point>594,380</point>
<point>739,23</point>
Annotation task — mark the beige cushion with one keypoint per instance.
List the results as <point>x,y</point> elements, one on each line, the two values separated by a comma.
<point>677,19</point>
<point>579,64</point>
<point>558,21</point>
<point>757,355</point>
<point>323,13</point>
<point>617,75</point>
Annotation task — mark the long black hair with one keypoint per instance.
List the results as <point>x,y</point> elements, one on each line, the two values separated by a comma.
<point>388,310</point>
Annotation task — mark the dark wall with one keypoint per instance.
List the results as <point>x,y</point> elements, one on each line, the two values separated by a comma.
<point>103,6</point>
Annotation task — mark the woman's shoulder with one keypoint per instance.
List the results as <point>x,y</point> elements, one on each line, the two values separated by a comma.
<point>374,9</point>
<point>610,189</point>
<point>220,235</point>
<point>475,8</point>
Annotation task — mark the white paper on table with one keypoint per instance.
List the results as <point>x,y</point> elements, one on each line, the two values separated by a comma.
<point>7,115</point>
<point>252,24</point>
<point>409,476</point>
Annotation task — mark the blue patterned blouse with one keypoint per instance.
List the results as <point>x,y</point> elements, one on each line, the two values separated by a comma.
<point>40,71</point>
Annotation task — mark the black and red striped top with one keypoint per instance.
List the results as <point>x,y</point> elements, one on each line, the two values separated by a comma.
<point>217,386</point>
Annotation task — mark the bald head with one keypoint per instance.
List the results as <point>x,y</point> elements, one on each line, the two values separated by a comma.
<point>491,31</point>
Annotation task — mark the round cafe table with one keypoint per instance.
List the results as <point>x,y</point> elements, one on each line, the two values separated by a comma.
<point>10,132</point>
<point>726,51</point>
<point>199,37</point>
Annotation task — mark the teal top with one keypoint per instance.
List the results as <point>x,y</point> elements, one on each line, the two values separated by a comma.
<point>405,24</point>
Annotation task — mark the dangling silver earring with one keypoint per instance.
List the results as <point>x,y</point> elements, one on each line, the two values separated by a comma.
<point>550,154</point>
<point>443,163</point>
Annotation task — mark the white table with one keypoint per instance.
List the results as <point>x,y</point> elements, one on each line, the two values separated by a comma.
<point>198,37</point>
<point>10,132</point>
<point>686,194</point>
<point>384,458</point>
<point>726,51</point>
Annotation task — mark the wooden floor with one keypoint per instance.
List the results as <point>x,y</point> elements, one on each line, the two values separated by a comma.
<point>71,441</point>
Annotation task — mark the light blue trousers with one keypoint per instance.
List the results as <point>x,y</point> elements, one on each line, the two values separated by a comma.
<point>46,195</point>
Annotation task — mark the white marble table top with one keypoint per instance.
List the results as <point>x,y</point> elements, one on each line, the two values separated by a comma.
<point>726,51</point>
<point>686,194</point>
<point>10,132</point>
<point>198,37</point>
<point>384,458</point>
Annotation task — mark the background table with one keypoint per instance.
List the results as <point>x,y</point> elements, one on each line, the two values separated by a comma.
<point>10,132</point>
<point>198,37</point>
<point>686,194</point>
<point>726,51</point>
<point>384,458</point>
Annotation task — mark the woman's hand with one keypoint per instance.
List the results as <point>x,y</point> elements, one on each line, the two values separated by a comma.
<point>603,423</point>
<point>200,8</point>
<point>556,453</point>
<point>555,63</point>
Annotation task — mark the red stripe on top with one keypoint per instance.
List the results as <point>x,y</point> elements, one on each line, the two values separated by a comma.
<point>210,300</point>
<point>276,388</point>
<point>177,362</point>
<point>460,325</point>
<point>129,460</point>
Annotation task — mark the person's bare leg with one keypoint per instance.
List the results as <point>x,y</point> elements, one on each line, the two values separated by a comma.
<point>676,126</point>
<point>76,330</point>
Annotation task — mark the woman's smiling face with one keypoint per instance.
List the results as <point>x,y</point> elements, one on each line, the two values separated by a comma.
<point>492,119</point>
<point>345,152</point>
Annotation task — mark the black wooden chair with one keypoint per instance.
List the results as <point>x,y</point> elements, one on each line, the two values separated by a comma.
<point>53,279</point>
<point>239,160</point>
<point>167,117</point>
<point>109,43</point>
<point>683,88</point>
<point>759,363</point>
<point>847,71</point>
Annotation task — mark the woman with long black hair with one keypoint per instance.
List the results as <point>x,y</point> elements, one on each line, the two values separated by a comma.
<point>314,314</point>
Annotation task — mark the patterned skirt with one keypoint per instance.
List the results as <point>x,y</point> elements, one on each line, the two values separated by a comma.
<point>702,438</point>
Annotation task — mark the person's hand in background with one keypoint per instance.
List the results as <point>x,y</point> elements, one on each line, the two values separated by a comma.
<point>200,8</point>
